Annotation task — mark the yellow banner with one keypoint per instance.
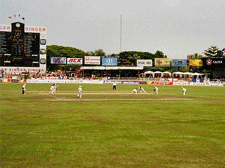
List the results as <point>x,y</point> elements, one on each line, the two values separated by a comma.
<point>162,62</point>
<point>195,62</point>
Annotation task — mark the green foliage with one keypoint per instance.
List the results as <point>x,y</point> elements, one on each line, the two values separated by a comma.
<point>60,51</point>
<point>211,52</point>
<point>132,56</point>
<point>98,52</point>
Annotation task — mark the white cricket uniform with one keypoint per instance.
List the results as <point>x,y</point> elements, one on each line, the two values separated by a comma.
<point>23,89</point>
<point>55,86</point>
<point>134,91</point>
<point>142,90</point>
<point>79,92</point>
<point>52,88</point>
<point>184,91</point>
<point>156,90</point>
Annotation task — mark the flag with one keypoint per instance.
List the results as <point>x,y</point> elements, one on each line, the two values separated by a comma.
<point>9,17</point>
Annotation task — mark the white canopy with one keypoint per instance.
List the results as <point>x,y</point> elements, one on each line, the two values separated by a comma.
<point>149,72</point>
<point>197,74</point>
<point>157,72</point>
<point>188,73</point>
<point>177,73</point>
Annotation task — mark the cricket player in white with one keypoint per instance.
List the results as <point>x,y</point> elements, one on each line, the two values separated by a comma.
<point>184,91</point>
<point>142,90</point>
<point>114,85</point>
<point>79,92</point>
<point>23,89</point>
<point>55,87</point>
<point>156,90</point>
<point>134,91</point>
<point>52,88</point>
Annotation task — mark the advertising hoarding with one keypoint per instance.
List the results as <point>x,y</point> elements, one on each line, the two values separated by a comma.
<point>92,60</point>
<point>109,62</point>
<point>146,62</point>
<point>75,61</point>
<point>214,63</point>
<point>179,62</point>
<point>58,60</point>
<point>196,62</point>
<point>162,62</point>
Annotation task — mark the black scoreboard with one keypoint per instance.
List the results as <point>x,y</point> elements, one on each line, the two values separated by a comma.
<point>19,48</point>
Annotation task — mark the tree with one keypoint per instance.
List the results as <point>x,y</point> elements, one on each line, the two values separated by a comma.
<point>211,52</point>
<point>159,54</point>
<point>98,52</point>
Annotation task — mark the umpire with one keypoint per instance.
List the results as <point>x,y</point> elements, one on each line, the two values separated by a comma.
<point>23,89</point>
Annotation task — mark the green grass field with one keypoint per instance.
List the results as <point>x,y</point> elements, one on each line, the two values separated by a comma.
<point>109,128</point>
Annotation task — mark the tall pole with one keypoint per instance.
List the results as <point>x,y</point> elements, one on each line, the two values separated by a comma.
<point>121,33</point>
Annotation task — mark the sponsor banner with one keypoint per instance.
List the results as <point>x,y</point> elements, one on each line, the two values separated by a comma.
<point>146,62</point>
<point>196,62</point>
<point>121,82</point>
<point>179,62</point>
<point>213,63</point>
<point>161,83</point>
<point>75,61</point>
<point>27,29</point>
<point>91,81</point>
<point>109,62</point>
<point>34,29</point>
<point>58,60</point>
<point>162,62</point>
<point>5,28</point>
<point>92,60</point>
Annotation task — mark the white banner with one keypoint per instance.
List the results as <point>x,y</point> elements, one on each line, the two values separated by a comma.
<point>92,60</point>
<point>75,61</point>
<point>146,62</point>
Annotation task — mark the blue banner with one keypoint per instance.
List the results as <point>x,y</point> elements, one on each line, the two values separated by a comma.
<point>179,62</point>
<point>109,62</point>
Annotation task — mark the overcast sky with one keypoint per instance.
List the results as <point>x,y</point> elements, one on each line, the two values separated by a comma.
<point>175,27</point>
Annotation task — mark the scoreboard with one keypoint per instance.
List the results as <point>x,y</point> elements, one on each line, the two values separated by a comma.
<point>22,46</point>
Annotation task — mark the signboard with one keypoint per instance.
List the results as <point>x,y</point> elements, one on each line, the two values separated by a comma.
<point>109,62</point>
<point>58,60</point>
<point>75,61</point>
<point>92,60</point>
<point>146,62</point>
<point>214,63</point>
<point>179,62</point>
<point>19,49</point>
<point>195,62</point>
<point>22,46</point>
<point>162,62</point>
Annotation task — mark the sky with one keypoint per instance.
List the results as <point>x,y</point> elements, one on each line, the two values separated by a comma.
<point>175,27</point>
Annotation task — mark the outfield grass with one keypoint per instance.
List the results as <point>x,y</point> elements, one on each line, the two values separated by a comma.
<point>109,128</point>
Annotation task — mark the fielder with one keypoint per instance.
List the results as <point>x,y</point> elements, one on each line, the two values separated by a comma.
<point>79,92</point>
<point>55,87</point>
<point>184,91</point>
<point>23,89</point>
<point>52,89</point>
<point>114,85</point>
<point>142,90</point>
<point>156,90</point>
<point>134,91</point>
